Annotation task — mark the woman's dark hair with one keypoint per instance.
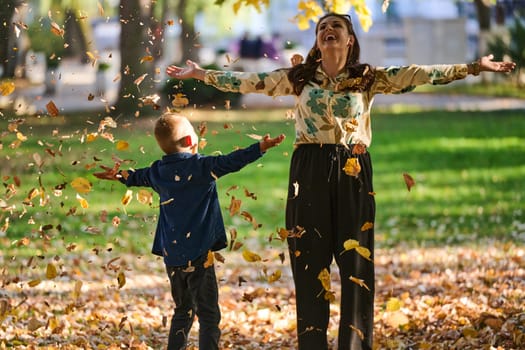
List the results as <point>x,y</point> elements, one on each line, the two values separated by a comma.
<point>303,73</point>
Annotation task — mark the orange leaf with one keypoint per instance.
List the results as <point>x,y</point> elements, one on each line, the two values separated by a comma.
<point>7,88</point>
<point>127,197</point>
<point>352,167</point>
<point>122,145</point>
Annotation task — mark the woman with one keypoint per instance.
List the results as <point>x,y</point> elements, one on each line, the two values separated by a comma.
<point>331,207</point>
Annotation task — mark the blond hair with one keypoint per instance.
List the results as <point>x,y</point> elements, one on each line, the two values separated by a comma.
<point>174,133</point>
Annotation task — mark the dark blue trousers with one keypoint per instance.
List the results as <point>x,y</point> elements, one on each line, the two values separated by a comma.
<point>195,292</point>
<point>325,208</point>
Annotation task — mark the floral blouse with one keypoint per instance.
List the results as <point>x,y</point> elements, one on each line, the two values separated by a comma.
<point>324,114</point>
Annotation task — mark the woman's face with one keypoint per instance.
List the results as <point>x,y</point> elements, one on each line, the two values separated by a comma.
<point>333,34</point>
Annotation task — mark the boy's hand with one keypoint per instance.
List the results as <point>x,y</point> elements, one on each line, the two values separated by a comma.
<point>268,142</point>
<point>192,70</point>
<point>109,173</point>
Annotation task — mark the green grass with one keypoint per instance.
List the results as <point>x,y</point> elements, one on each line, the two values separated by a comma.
<point>505,88</point>
<point>469,170</point>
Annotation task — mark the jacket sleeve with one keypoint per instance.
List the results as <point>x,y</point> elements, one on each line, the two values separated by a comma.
<point>274,83</point>
<point>232,162</point>
<point>394,80</point>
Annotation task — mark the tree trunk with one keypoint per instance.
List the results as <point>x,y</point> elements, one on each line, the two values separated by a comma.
<point>75,37</point>
<point>484,19</point>
<point>133,82</point>
<point>7,38</point>
<point>189,39</point>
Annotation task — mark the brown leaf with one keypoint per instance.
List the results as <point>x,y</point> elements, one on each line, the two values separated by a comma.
<point>52,109</point>
<point>409,181</point>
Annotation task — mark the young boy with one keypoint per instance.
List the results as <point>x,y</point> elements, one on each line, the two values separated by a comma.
<point>190,222</point>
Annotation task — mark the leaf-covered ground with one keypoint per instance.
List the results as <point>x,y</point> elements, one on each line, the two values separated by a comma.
<point>432,298</point>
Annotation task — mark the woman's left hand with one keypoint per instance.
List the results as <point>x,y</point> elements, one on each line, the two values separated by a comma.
<point>486,63</point>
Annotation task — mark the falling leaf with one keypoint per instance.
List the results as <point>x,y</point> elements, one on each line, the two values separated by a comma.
<point>367,226</point>
<point>409,181</point>
<point>350,244</point>
<point>359,282</point>
<point>7,88</point>
<point>179,100</point>
<point>352,167</point>
<point>140,79</point>
<point>34,283</point>
<point>235,206</point>
<point>209,259</point>
<point>248,217</point>
<point>358,331</point>
<point>364,252</point>
<point>51,271</point>
<point>275,276</point>
<point>148,58</point>
<point>55,29</point>
<point>121,279</point>
<point>83,202</point>
<point>324,277</point>
<point>128,196</point>
<point>122,145</point>
<point>81,185</point>
<point>52,109</point>
<point>393,304</point>
<point>144,197</point>
<point>250,256</point>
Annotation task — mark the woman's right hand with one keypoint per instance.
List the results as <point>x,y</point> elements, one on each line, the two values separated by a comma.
<point>192,70</point>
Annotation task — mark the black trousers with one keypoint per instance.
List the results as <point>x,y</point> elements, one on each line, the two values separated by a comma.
<point>325,208</point>
<point>195,292</point>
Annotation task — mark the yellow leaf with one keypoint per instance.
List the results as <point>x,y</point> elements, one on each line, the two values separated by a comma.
<point>34,283</point>
<point>364,252</point>
<point>359,282</point>
<point>128,196</point>
<point>146,59</point>
<point>81,185</point>
<point>393,304</point>
<point>7,88</point>
<point>121,279</point>
<point>350,244</point>
<point>352,167</point>
<point>83,202</point>
<point>209,259</point>
<point>274,276</point>
<point>21,136</point>
<point>396,319</point>
<point>144,197</point>
<point>122,145</point>
<point>51,271</point>
<point>324,277</point>
<point>77,289</point>
<point>250,256</point>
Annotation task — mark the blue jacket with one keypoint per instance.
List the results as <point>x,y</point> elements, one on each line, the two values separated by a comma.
<point>190,221</point>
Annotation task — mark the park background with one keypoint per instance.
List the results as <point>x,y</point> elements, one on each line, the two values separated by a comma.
<point>76,267</point>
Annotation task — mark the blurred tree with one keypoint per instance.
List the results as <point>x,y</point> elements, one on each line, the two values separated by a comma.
<point>8,48</point>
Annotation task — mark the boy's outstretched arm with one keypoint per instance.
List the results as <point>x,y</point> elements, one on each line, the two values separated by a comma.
<point>269,142</point>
